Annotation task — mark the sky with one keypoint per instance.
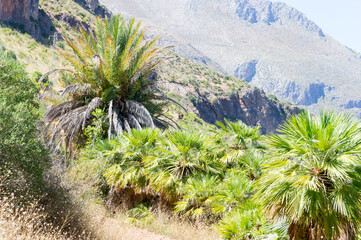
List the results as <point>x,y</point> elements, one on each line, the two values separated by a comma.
<point>341,19</point>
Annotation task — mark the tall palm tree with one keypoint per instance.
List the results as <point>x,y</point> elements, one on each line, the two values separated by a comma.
<point>111,70</point>
<point>314,176</point>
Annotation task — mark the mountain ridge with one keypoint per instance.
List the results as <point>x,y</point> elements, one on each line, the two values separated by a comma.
<point>296,61</point>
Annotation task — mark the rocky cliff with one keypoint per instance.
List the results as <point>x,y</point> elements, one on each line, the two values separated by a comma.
<point>250,105</point>
<point>215,97</point>
<point>23,13</point>
<point>209,94</point>
<point>254,11</point>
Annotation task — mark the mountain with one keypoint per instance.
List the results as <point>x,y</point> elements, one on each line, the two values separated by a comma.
<point>210,95</point>
<point>269,44</point>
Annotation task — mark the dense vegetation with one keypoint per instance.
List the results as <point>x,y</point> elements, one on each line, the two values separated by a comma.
<point>304,179</point>
<point>32,205</point>
<point>303,182</point>
<point>21,152</point>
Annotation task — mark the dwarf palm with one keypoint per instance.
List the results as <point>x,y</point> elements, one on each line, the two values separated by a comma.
<point>209,197</point>
<point>111,69</point>
<point>314,176</point>
<point>233,192</point>
<point>246,222</point>
<point>252,163</point>
<point>197,198</point>
<point>239,139</point>
<point>182,155</point>
<point>129,167</point>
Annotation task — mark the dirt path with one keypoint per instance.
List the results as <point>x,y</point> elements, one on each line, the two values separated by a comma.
<point>113,229</point>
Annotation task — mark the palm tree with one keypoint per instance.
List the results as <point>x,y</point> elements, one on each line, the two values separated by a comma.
<point>314,176</point>
<point>132,150</point>
<point>111,70</point>
<point>183,154</point>
<point>246,222</point>
<point>241,145</point>
<point>197,198</point>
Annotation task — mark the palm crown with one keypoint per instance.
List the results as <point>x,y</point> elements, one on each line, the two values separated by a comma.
<point>111,69</point>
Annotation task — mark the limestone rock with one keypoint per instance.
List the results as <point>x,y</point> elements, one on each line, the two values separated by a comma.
<point>246,70</point>
<point>23,13</point>
<point>250,105</point>
<point>92,4</point>
<point>255,11</point>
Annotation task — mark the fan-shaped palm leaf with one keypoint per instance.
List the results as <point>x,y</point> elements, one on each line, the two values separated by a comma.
<point>314,176</point>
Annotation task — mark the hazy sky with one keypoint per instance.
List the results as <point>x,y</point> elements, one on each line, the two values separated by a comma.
<point>341,19</point>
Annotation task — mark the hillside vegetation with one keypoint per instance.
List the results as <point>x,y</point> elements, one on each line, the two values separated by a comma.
<point>117,144</point>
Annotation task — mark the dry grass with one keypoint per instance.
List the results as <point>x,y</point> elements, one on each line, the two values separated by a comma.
<point>178,229</point>
<point>161,227</point>
<point>28,222</point>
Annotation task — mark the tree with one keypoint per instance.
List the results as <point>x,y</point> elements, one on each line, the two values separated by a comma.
<point>314,176</point>
<point>111,70</point>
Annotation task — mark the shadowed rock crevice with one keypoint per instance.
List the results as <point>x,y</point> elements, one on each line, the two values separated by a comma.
<point>306,96</point>
<point>95,7</point>
<point>352,104</point>
<point>313,93</point>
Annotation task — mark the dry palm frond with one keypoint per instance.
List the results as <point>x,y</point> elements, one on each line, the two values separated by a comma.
<point>117,123</point>
<point>94,104</point>
<point>141,113</point>
<point>70,89</point>
<point>61,110</point>
<point>133,122</point>
<point>52,72</point>
<point>126,125</point>
<point>110,118</point>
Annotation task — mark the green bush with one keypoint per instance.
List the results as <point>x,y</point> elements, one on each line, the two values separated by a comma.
<point>11,54</point>
<point>22,156</point>
<point>60,44</point>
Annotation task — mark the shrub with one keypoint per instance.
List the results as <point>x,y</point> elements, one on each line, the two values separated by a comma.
<point>21,151</point>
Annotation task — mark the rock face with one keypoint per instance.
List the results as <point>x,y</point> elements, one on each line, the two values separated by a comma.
<point>246,70</point>
<point>23,13</point>
<point>251,106</point>
<point>92,4</point>
<point>268,12</point>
